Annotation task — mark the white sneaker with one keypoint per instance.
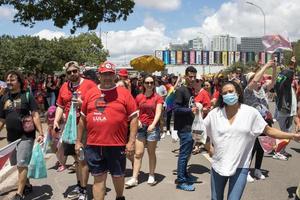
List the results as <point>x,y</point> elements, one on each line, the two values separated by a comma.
<point>151,180</point>
<point>131,182</point>
<point>279,156</point>
<point>249,178</point>
<point>163,136</point>
<point>168,133</point>
<point>259,175</point>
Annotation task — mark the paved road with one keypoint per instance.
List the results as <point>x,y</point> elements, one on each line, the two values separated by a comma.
<point>283,177</point>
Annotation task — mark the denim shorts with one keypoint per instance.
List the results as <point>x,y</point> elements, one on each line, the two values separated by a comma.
<point>151,137</point>
<point>101,160</point>
<point>22,154</point>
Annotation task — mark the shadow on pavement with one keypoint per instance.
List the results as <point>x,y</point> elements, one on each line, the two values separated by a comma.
<point>7,192</point>
<point>291,191</point>
<point>43,192</point>
<point>197,169</point>
<point>89,189</point>
<point>297,150</point>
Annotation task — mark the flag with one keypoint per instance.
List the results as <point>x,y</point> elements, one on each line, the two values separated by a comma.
<point>6,151</point>
<point>275,43</point>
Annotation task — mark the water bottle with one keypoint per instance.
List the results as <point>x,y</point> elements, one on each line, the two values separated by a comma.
<point>81,154</point>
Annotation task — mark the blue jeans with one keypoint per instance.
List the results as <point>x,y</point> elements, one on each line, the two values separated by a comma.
<point>51,99</point>
<point>237,184</point>
<point>186,147</point>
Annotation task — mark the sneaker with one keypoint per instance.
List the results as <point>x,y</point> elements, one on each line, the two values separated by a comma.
<point>279,156</point>
<point>72,167</point>
<point>61,168</point>
<point>249,178</point>
<point>168,133</point>
<point>27,189</point>
<point>74,193</point>
<point>17,197</point>
<point>163,136</point>
<point>185,187</point>
<point>131,182</point>
<point>259,175</point>
<point>151,180</point>
<point>83,196</point>
<point>120,198</point>
<point>191,179</point>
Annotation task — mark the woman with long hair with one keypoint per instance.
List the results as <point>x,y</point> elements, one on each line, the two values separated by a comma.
<point>150,109</point>
<point>232,128</point>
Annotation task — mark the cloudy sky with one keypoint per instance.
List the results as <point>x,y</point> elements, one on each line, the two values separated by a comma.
<point>156,23</point>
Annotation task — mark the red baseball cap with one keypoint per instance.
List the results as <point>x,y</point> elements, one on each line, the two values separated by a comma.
<point>107,66</point>
<point>123,72</point>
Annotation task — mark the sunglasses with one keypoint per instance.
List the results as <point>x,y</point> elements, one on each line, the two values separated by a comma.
<point>74,71</point>
<point>149,82</point>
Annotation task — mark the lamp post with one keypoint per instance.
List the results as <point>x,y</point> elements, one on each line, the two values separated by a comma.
<point>262,11</point>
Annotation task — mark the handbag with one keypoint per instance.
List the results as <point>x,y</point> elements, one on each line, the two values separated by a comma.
<point>27,121</point>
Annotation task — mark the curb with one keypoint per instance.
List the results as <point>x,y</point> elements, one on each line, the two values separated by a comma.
<point>9,176</point>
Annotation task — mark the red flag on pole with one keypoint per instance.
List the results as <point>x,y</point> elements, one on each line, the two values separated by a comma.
<point>275,43</point>
<point>6,151</point>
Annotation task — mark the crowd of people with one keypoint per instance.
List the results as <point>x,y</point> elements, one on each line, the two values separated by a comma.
<point>118,117</point>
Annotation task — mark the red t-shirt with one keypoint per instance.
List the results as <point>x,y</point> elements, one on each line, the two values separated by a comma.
<point>203,97</point>
<point>107,113</point>
<point>216,93</point>
<point>147,107</point>
<point>65,94</point>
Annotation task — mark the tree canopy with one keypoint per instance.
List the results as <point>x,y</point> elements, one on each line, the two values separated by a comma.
<point>32,54</point>
<point>80,13</point>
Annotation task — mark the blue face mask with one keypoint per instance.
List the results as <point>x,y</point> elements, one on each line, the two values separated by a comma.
<point>230,98</point>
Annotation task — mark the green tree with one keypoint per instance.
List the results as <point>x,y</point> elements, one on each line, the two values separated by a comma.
<point>32,54</point>
<point>80,13</point>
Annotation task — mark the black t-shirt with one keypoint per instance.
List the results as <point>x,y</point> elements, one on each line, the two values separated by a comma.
<point>13,107</point>
<point>183,115</point>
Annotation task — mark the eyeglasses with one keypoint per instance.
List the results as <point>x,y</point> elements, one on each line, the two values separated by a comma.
<point>74,71</point>
<point>149,82</point>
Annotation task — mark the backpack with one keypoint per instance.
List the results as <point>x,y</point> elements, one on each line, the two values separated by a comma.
<point>282,89</point>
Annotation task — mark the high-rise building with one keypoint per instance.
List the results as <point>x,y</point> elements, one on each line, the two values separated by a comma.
<point>196,44</point>
<point>251,44</point>
<point>224,43</point>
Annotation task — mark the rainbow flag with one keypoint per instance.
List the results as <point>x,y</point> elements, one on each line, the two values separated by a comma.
<point>170,99</point>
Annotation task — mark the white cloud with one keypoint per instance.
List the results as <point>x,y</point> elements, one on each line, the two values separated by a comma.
<point>6,12</point>
<point>49,35</point>
<point>240,19</point>
<point>164,5</point>
<point>125,45</point>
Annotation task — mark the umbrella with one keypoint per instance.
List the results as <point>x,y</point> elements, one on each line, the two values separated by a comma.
<point>147,63</point>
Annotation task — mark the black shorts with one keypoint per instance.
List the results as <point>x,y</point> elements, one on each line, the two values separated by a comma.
<point>101,159</point>
<point>69,149</point>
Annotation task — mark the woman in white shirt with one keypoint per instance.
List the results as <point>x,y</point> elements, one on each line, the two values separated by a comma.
<point>232,128</point>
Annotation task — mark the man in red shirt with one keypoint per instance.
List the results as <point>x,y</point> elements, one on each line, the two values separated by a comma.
<point>105,113</point>
<point>74,90</point>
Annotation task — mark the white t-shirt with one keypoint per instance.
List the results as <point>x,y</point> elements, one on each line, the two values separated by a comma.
<point>233,143</point>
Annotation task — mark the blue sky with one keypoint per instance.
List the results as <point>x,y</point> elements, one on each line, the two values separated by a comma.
<point>156,23</point>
